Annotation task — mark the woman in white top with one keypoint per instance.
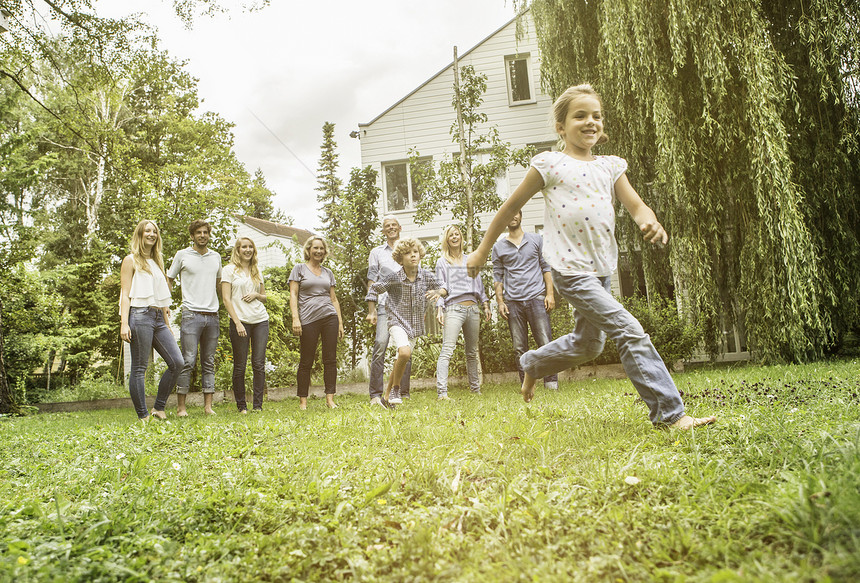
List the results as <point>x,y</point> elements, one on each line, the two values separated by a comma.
<point>143,307</point>
<point>244,292</point>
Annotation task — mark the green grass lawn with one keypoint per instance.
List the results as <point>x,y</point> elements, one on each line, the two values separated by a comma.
<point>576,486</point>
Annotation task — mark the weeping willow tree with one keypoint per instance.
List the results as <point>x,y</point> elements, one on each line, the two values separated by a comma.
<point>740,123</point>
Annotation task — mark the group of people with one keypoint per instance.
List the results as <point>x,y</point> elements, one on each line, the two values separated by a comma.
<point>577,257</point>
<point>397,294</point>
<point>145,298</point>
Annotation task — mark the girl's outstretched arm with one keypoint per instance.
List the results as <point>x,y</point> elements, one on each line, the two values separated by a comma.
<point>652,230</point>
<point>531,185</point>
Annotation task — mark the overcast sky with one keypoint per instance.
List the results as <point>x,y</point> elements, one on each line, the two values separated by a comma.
<point>280,73</point>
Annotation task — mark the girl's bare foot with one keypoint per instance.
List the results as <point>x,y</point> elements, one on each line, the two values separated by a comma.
<point>243,412</point>
<point>303,403</point>
<point>686,422</point>
<point>209,411</point>
<point>329,401</point>
<point>182,413</point>
<point>528,388</point>
<point>159,414</point>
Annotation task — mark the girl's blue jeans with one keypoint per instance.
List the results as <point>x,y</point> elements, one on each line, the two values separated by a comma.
<point>149,331</point>
<point>598,315</point>
<point>467,318</point>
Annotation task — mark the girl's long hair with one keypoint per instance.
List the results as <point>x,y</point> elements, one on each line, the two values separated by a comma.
<point>446,249</point>
<point>236,260</point>
<point>137,247</point>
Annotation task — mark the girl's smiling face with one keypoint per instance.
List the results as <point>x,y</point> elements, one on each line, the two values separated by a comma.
<point>150,235</point>
<point>246,249</point>
<point>583,125</point>
<point>455,239</point>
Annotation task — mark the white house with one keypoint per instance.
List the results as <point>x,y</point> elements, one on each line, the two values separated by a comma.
<point>275,242</point>
<point>513,102</point>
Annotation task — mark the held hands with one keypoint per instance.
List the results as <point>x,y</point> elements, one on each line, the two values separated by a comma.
<point>654,233</point>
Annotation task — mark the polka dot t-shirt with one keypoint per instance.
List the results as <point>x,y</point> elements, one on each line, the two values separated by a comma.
<point>579,218</point>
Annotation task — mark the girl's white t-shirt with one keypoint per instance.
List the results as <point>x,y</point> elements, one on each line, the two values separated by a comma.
<point>579,213</point>
<point>149,289</point>
<point>241,284</point>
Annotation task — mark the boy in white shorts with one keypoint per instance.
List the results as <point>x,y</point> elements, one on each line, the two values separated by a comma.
<point>408,289</point>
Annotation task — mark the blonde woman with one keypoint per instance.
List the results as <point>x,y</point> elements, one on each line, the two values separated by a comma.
<point>244,294</point>
<point>316,314</point>
<point>459,310</point>
<point>143,308</point>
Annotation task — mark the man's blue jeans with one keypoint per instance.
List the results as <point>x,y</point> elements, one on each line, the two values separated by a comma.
<point>377,360</point>
<point>256,338</point>
<point>598,315</point>
<point>526,314</point>
<point>198,328</point>
<point>149,331</point>
<point>467,318</point>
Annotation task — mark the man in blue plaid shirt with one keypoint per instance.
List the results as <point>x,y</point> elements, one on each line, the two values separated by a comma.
<point>408,289</point>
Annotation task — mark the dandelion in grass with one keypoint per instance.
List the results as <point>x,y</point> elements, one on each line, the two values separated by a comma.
<point>22,560</point>
<point>381,502</point>
<point>632,480</point>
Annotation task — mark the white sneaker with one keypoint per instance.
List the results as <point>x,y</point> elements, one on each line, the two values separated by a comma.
<point>394,396</point>
<point>551,385</point>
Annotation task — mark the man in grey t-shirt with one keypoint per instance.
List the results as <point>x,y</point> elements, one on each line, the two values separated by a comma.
<point>199,272</point>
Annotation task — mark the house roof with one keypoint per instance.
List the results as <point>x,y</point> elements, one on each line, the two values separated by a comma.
<point>277,229</point>
<point>449,66</point>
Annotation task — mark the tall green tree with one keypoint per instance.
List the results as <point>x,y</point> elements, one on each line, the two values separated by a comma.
<point>740,122</point>
<point>329,185</point>
<point>486,157</point>
<point>355,240</point>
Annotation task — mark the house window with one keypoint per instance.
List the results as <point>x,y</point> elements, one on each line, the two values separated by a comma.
<point>401,191</point>
<point>518,70</point>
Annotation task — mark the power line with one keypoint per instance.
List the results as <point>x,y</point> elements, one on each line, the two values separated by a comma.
<point>283,144</point>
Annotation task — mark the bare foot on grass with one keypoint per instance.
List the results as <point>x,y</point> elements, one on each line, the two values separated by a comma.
<point>686,422</point>
<point>159,414</point>
<point>182,413</point>
<point>303,403</point>
<point>528,388</point>
<point>209,411</point>
<point>329,402</point>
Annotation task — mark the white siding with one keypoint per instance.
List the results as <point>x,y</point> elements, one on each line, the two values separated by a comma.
<point>422,121</point>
